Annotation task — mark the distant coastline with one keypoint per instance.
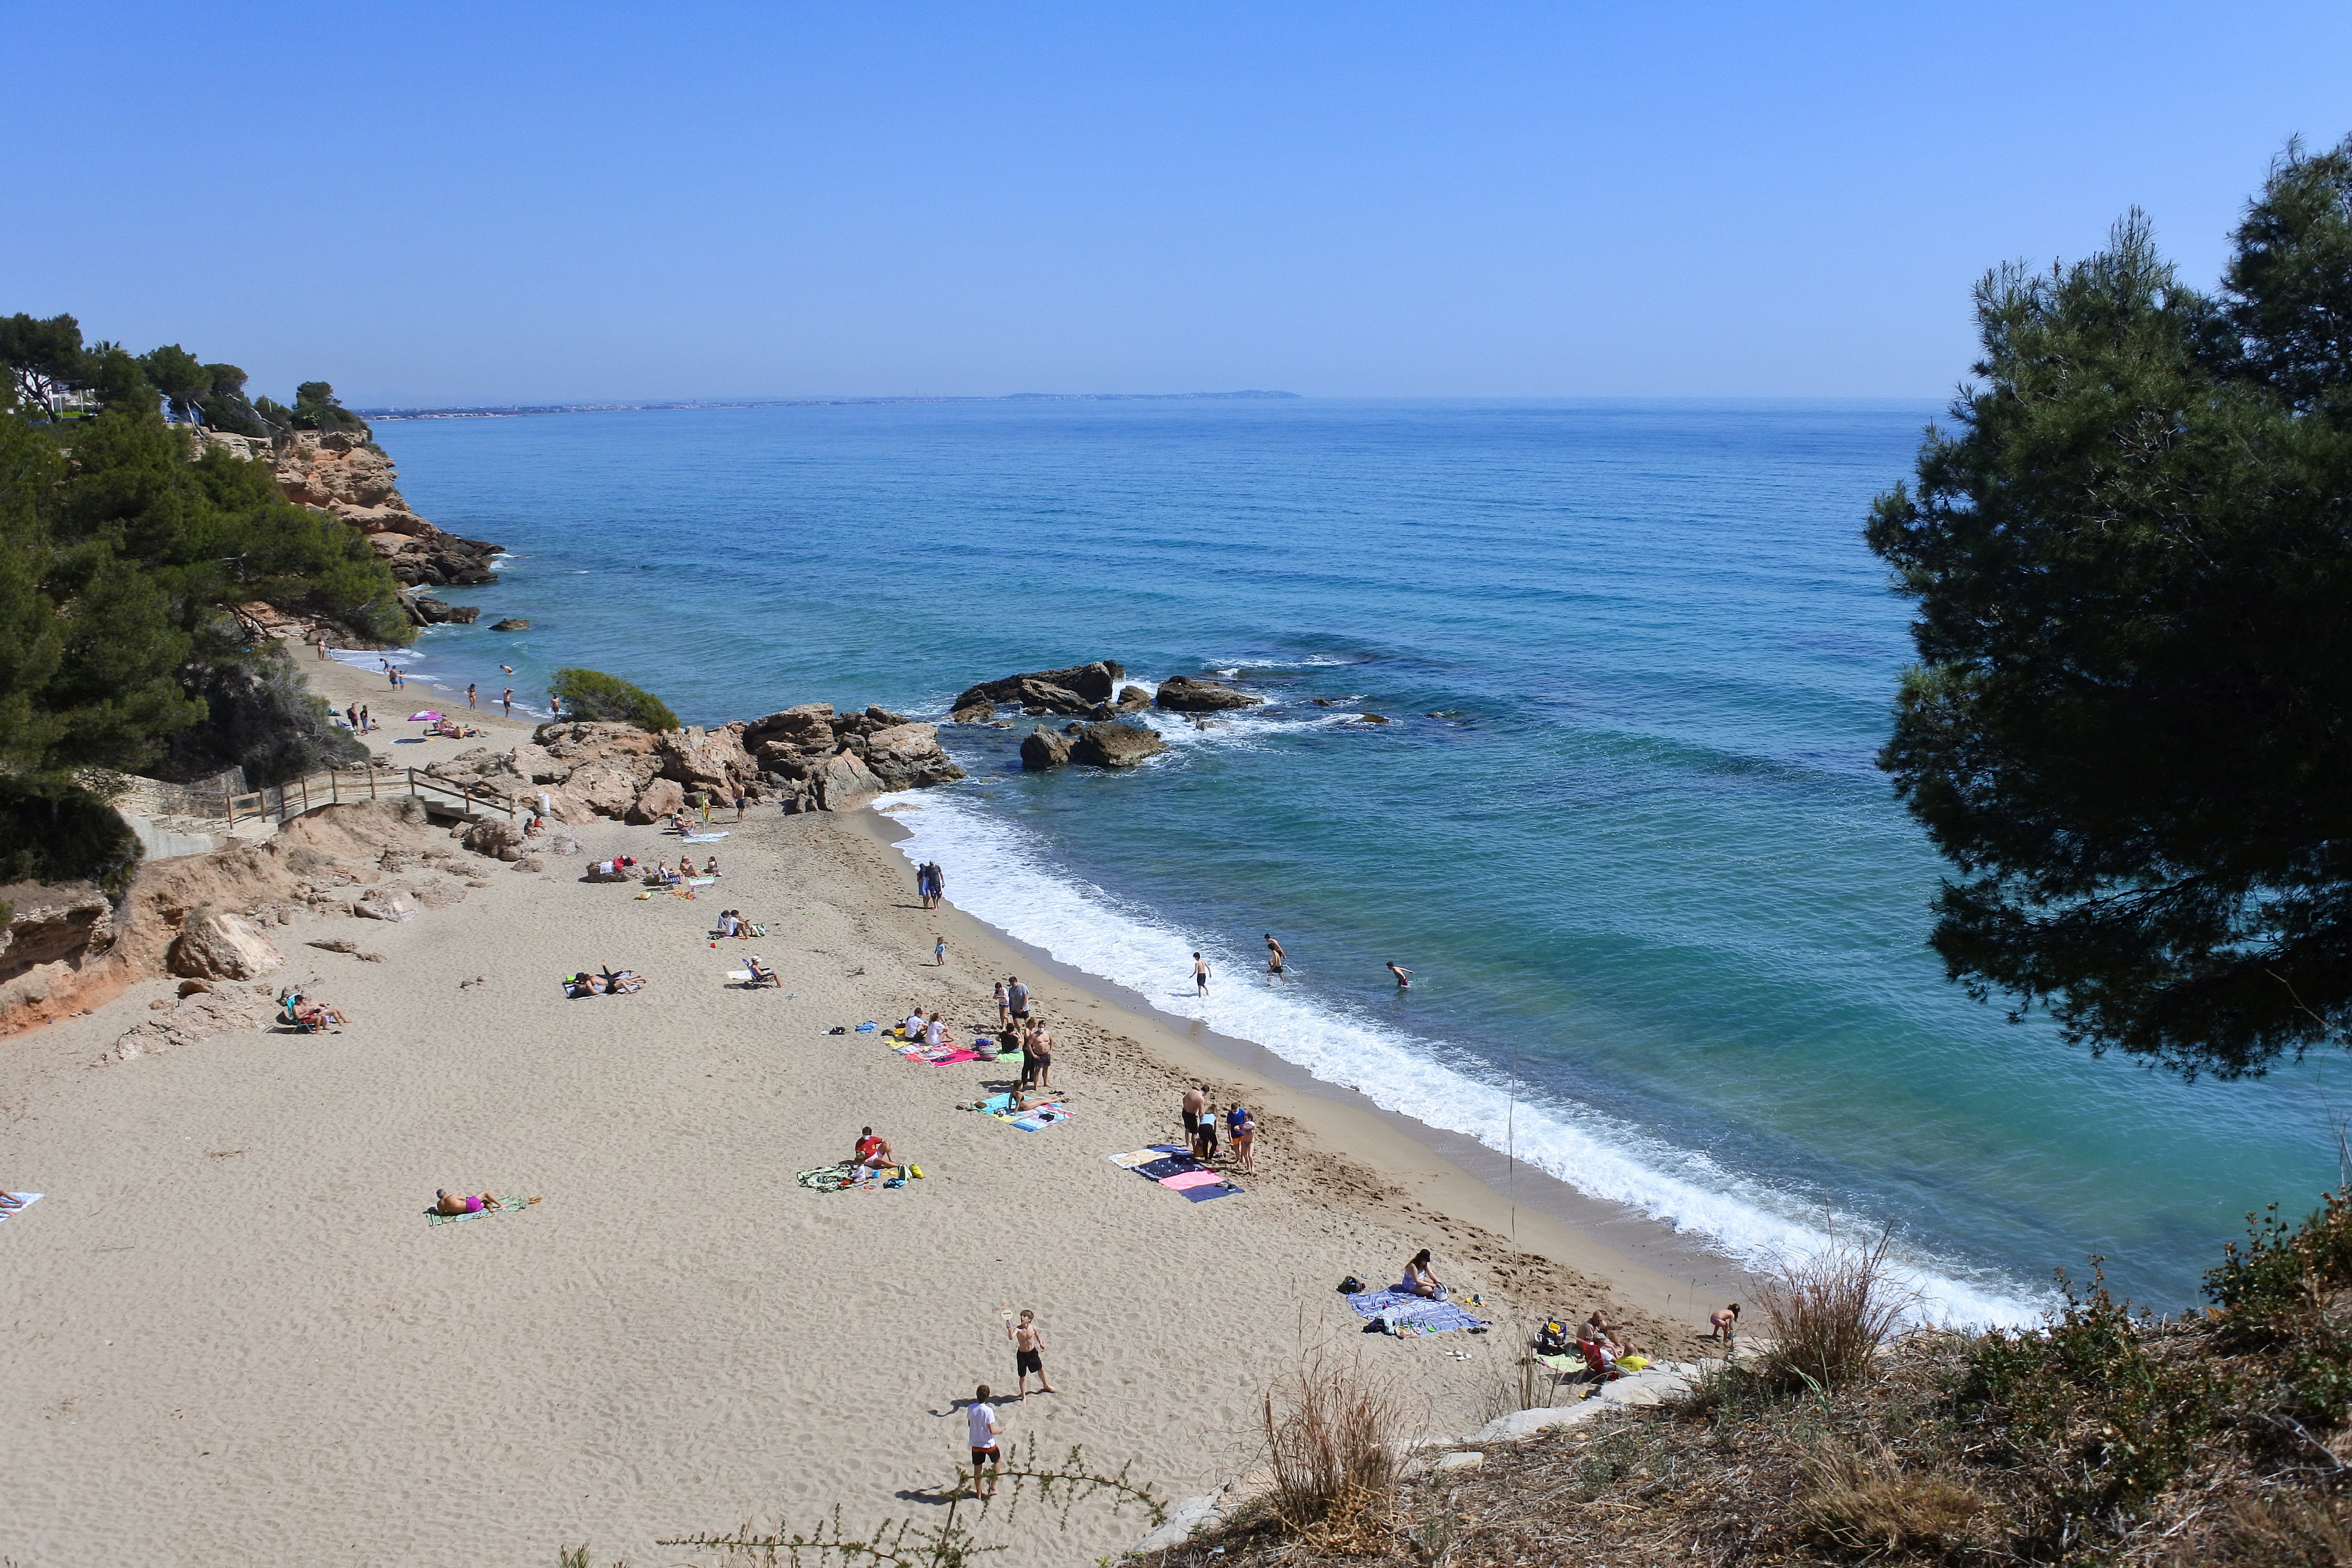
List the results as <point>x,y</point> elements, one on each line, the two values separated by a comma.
<point>522,410</point>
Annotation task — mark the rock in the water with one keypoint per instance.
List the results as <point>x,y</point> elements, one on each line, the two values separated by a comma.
<point>1078,689</point>
<point>1372,719</point>
<point>657,802</point>
<point>215,945</point>
<point>1111,744</point>
<point>908,756</point>
<point>1133,699</point>
<point>511,624</point>
<point>976,713</point>
<point>1042,751</point>
<point>1183,694</point>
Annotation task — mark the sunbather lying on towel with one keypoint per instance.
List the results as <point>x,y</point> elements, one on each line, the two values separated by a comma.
<point>763,975</point>
<point>447,1202</point>
<point>11,1201</point>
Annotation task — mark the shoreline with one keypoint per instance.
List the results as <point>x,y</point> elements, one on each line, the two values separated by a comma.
<point>230,1260</point>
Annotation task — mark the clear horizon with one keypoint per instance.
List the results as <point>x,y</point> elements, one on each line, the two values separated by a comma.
<point>439,207</point>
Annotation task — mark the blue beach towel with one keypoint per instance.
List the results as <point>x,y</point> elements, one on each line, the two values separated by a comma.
<point>1416,1313</point>
<point>1203,1194</point>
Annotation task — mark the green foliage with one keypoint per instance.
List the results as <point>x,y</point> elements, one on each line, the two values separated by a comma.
<point>315,409</point>
<point>179,376</point>
<point>2093,1397</point>
<point>117,567</point>
<point>261,716</point>
<point>591,694</point>
<point>62,833</point>
<point>224,407</point>
<point>45,357</point>
<point>2133,564</point>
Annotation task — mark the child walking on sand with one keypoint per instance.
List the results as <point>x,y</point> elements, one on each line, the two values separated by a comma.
<point>939,952</point>
<point>1028,1352</point>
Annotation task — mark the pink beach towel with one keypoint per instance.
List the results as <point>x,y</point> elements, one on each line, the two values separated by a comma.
<point>1183,1180</point>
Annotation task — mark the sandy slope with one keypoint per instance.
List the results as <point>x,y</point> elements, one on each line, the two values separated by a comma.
<point>232,1338</point>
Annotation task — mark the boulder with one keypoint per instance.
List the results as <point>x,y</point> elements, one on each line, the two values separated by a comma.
<point>711,760</point>
<point>586,740</point>
<point>1041,751</point>
<point>884,717</point>
<point>494,837</point>
<point>1111,744</point>
<point>808,727</point>
<point>1372,719</point>
<point>1077,689</point>
<point>658,801</point>
<point>384,904</point>
<point>980,714</point>
<point>1183,694</point>
<point>1133,699</point>
<point>510,625</point>
<point>908,756</point>
<point>842,781</point>
<point>215,945</point>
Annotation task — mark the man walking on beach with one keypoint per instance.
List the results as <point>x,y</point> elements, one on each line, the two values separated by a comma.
<point>1273,959</point>
<point>1028,1352</point>
<point>985,1428</point>
<point>1017,999</point>
<point>1200,976</point>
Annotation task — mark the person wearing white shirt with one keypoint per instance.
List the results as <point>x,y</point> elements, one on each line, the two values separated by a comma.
<point>985,1428</point>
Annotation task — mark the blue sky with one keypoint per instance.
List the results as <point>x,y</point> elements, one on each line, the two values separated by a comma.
<point>441,203</point>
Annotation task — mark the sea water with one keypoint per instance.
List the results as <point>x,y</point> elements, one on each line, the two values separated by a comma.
<point>1664,916</point>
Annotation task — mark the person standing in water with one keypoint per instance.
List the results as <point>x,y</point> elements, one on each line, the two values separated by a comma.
<point>1273,959</point>
<point>469,694</point>
<point>1403,977</point>
<point>1200,976</point>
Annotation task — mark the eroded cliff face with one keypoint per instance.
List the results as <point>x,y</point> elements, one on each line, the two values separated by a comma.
<point>355,481</point>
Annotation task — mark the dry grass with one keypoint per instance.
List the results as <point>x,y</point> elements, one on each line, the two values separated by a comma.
<point>1867,1500</point>
<point>1334,1435</point>
<point>1828,1314</point>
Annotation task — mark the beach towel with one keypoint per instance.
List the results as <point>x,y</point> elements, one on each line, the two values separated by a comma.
<point>30,1199</point>
<point>1168,1165</point>
<point>700,881</point>
<point>1202,1194</point>
<point>702,837</point>
<point>506,1205</point>
<point>867,1028</point>
<point>842,1178</point>
<point>1177,1184</point>
<point>1133,1157</point>
<point>1409,1314</point>
<point>1043,1117</point>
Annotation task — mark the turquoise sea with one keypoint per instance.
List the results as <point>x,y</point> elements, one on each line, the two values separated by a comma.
<point>1625,825</point>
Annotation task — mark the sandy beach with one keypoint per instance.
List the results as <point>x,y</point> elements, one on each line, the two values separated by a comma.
<point>234,1337</point>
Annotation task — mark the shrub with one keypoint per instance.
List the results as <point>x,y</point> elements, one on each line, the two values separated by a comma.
<point>1829,1313</point>
<point>2283,1270</point>
<point>1334,1434</point>
<point>592,694</point>
<point>1865,1500</point>
<point>260,715</point>
<point>64,834</point>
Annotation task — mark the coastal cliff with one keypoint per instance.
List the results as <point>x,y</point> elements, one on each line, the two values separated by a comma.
<point>350,479</point>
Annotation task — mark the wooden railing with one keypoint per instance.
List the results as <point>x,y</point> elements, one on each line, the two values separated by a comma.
<point>282,803</point>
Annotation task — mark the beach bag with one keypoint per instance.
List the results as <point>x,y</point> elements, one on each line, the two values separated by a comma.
<point>1351,1286</point>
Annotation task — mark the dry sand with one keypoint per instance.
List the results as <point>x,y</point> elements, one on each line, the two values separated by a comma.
<point>234,1339</point>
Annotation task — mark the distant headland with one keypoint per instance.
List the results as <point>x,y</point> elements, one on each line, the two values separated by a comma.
<point>519,410</point>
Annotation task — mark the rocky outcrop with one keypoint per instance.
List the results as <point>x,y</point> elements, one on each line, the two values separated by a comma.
<point>55,953</point>
<point>214,944</point>
<point>511,624</point>
<point>908,756</point>
<point>1087,690</point>
<point>425,610</point>
<point>197,1015</point>
<point>1183,694</point>
<point>659,801</point>
<point>1132,699</point>
<point>1041,751</point>
<point>1115,745</point>
<point>354,480</point>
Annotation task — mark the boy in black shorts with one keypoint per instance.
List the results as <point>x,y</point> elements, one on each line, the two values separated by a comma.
<point>1028,1352</point>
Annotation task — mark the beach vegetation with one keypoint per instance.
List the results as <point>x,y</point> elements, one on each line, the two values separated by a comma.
<point>594,695</point>
<point>2131,554</point>
<point>1335,1431</point>
<point>316,407</point>
<point>123,555</point>
<point>1827,1313</point>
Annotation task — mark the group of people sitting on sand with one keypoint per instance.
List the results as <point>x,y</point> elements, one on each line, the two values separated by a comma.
<point>927,1027</point>
<point>296,1011</point>
<point>662,876</point>
<point>601,982</point>
<point>446,730</point>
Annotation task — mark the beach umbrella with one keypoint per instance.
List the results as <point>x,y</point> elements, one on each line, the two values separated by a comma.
<point>421,718</point>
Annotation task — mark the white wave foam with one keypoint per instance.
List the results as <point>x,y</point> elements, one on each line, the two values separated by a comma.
<point>996,877</point>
